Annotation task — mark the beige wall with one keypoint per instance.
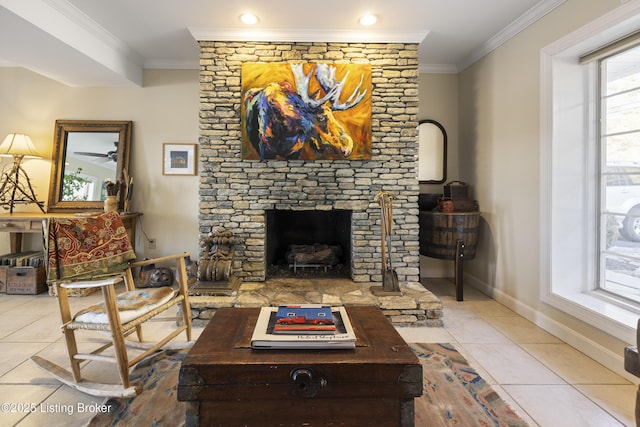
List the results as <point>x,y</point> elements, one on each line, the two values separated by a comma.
<point>499,146</point>
<point>164,110</point>
<point>439,101</point>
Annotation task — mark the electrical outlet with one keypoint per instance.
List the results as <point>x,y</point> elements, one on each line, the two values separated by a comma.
<point>152,243</point>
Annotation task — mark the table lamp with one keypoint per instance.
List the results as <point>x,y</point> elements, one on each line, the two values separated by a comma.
<point>13,189</point>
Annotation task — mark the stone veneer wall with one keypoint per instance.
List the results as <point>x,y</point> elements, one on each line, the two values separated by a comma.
<point>235,193</point>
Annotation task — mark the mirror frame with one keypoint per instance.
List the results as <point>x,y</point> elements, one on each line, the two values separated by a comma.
<point>62,129</point>
<point>444,151</point>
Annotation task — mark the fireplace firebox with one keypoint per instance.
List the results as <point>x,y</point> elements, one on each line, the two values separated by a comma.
<point>295,228</point>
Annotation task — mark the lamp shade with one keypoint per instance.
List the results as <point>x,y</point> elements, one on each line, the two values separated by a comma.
<point>18,144</point>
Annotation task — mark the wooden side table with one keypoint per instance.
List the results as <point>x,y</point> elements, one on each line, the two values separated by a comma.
<point>450,236</point>
<point>31,222</point>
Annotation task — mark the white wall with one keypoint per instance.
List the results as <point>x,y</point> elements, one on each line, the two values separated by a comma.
<point>499,147</point>
<point>164,110</point>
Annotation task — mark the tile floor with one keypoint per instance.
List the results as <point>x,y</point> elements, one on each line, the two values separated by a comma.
<point>546,381</point>
<point>549,383</point>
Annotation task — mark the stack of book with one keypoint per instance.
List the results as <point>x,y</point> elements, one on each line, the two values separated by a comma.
<point>23,259</point>
<point>306,326</point>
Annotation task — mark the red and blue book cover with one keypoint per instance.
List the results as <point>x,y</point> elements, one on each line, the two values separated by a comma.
<point>303,327</point>
<point>306,319</point>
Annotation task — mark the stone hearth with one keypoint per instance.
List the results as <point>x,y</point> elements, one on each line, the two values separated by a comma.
<point>416,307</point>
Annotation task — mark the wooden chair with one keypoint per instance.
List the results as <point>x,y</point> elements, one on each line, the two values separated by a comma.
<point>95,252</point>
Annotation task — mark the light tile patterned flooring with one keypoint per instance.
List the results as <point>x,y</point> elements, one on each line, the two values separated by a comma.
<point>548,382</point>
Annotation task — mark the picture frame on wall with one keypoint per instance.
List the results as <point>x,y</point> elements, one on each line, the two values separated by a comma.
<point>178,159</point>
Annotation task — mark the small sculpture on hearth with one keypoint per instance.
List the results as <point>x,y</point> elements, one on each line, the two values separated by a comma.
<point>217,259</point>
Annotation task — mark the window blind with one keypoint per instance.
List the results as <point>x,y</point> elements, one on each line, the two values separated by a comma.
<point>612,48</point>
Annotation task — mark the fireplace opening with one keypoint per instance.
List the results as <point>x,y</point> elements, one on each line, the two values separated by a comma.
<point>294,237</point>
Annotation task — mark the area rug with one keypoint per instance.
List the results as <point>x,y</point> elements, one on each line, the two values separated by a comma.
<point>158,404</point>
<point>454,394</point>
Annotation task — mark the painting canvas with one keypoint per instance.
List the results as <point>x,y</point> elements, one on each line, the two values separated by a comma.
<point>306,111</point>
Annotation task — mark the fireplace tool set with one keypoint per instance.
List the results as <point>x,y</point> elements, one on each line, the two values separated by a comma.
<point>390,285</point>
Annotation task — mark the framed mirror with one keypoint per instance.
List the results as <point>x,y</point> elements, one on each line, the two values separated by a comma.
<point>86,153</point>
<point>432,152</point>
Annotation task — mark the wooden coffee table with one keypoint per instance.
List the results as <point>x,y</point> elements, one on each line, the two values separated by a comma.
<point>226,383</point>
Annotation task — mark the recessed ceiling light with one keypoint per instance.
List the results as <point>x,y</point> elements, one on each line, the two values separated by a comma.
<point>249,18</point>
<point>367,20</point>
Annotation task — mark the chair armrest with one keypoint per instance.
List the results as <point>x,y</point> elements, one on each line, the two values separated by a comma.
<point>92,283</point>
<point>161,259</point>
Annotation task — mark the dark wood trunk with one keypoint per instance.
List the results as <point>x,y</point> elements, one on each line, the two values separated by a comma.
<point>227,383</point>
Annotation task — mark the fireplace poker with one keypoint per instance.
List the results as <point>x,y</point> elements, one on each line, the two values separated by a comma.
<point>389,276</point>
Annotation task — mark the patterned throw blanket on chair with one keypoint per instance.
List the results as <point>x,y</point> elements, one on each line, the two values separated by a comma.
<point>87,248</point>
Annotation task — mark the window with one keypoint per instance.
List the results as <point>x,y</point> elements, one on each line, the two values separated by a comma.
<point>586,173</point>
<point>77,186</point>
<point>619,131</point>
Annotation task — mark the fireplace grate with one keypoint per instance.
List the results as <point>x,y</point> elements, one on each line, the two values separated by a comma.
<point>296,266</point>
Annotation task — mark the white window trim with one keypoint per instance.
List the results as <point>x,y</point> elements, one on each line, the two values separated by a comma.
<point>567,155</point>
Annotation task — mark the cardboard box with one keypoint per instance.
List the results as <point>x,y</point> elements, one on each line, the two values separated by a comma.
<point>3,279</point>
<point>26,280</point>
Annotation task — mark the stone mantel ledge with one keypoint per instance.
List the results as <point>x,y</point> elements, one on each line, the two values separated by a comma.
<point>416,306</point>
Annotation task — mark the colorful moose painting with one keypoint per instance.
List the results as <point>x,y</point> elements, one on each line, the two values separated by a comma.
<point>306,111</point>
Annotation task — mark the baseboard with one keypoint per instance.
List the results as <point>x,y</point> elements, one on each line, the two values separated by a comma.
<point>604,356</point>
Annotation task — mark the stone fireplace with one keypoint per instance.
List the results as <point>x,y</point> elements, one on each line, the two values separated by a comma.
<point>246,196</point>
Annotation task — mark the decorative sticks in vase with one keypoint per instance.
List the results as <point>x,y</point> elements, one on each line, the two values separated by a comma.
<point>127,191</point>
<point>124,188</point>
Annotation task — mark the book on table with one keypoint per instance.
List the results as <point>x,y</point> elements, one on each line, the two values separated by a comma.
<point>306,326</point>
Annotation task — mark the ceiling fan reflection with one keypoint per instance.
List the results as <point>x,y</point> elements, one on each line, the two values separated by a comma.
<point>108,156</point>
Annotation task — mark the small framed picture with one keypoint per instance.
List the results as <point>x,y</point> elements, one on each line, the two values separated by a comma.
<point>178,159</point>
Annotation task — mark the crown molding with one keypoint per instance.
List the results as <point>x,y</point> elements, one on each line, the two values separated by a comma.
<point>79,32</point>
<point>305,35</point>
<point>615,24</point>
<point>510,31</point>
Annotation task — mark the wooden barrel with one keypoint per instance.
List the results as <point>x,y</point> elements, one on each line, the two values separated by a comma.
<point>440,232</point>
